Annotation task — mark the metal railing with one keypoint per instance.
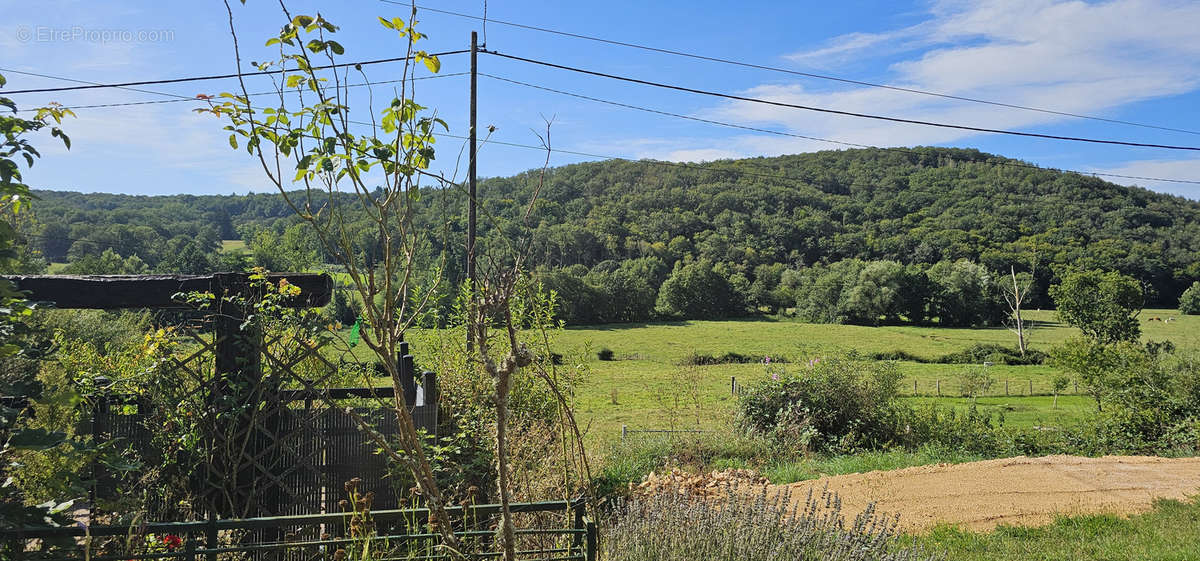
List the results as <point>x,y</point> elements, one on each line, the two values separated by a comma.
<point>400,534</point>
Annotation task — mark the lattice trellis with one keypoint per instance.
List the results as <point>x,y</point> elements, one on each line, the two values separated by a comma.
<point>283,443</point>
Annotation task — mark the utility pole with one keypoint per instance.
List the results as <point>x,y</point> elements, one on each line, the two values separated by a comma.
<point>471,190</point>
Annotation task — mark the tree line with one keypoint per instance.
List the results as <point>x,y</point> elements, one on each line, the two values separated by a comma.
<point>855,236</point>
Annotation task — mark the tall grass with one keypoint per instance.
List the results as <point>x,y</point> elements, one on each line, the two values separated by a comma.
<point>737,527</point>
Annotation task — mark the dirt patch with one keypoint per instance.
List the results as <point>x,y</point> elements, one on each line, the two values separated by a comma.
<point>1013,491</point>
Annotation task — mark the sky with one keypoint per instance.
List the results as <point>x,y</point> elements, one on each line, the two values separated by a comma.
<point>1126,60</point>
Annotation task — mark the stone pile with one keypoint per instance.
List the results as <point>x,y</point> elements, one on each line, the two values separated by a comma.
<point>698,484</point>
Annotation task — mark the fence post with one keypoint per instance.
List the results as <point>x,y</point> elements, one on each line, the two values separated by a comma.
<point>733,386</point>
<point>1031,387</point>
<point>914,386</point>
<point>578,522</point>
<point>939,387</point>
<point>624,431</point>
<point>1006,387</point>
<point>211,536</point>
<point>592,541</point>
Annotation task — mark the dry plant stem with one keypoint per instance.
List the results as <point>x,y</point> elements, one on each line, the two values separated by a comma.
<point>493,300</point>
<point>518,356</point>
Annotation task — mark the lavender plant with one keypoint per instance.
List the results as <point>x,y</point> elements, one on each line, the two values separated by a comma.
<point>740,527</point>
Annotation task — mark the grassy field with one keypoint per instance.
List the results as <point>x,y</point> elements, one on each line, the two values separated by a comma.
<point>56,268</point>
<point>231,245</point>
<point>1169,532</point>
<point>652,390</point>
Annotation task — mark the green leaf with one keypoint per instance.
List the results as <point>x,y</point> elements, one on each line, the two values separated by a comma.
<point>233,140</point>
<point>335,47</point>
<point>272,41</point>
<point>382,22</point>
<point>431,62</point>
<point>36,439</point>
<point>60,134</point>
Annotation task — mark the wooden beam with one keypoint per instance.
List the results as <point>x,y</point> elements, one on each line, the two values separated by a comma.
<point>111,292</point>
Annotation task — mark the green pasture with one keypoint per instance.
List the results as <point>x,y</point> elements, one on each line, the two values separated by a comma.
<point>232,245</point>
<point>647,387</point>
<point>653,390</point>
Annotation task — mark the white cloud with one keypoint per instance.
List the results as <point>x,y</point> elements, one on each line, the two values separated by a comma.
<point>1068,56</point>
<point>1182,169</point>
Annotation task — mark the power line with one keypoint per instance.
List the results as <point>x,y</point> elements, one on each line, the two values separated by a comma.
<point>52,77</point>
<point>838,111</point>
<point>799,73</point>
<point>182,98</point>
<point>217,76</point>
<point>794,135</point>
<point>689,165</point>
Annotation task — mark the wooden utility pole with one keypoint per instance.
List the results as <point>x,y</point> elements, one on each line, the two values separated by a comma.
<point>471,184</point>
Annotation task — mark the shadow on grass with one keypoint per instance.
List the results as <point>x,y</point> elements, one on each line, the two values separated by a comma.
<point>677,323</point>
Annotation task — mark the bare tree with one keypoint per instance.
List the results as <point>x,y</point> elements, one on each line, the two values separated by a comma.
<point>1016,291</point>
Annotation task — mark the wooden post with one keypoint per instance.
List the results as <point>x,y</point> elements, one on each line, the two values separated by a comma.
<point>210,533</point>
<point>914,386</point>
<point>429,384</point>
<point>578,522</point>
<point>1031,387</point>
<point>592,541</point>
<point>939,387</point>
<point>471,174</point>
<point>408,378</point>
<point>624,432</point>
<point>1006,387</point>
<point>733,385</point>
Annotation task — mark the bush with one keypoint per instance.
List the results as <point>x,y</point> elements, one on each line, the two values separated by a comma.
<point>897,355</point>
<point>991,352</point>
<point>697,359</point>
<point>605,354</point>
<point>670,527</point>
<point>1189,302</point>
<point>831,405</point>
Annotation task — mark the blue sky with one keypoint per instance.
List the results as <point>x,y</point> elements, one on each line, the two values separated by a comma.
<point>1134,60</point>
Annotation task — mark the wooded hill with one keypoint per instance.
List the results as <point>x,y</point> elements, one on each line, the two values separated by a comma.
<point>599,228</point>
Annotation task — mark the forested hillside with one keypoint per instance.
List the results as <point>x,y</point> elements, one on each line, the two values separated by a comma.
<point>627,241</point>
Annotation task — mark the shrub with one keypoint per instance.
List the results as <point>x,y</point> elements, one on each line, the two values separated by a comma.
<point>897,355</point>
<point>1189,302</point>
<point>605,354</point>
<point>697,359</point>
<point>670,527</point>
<point>832,404</point>
<point>991,352</point>
<point>975,381</point>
